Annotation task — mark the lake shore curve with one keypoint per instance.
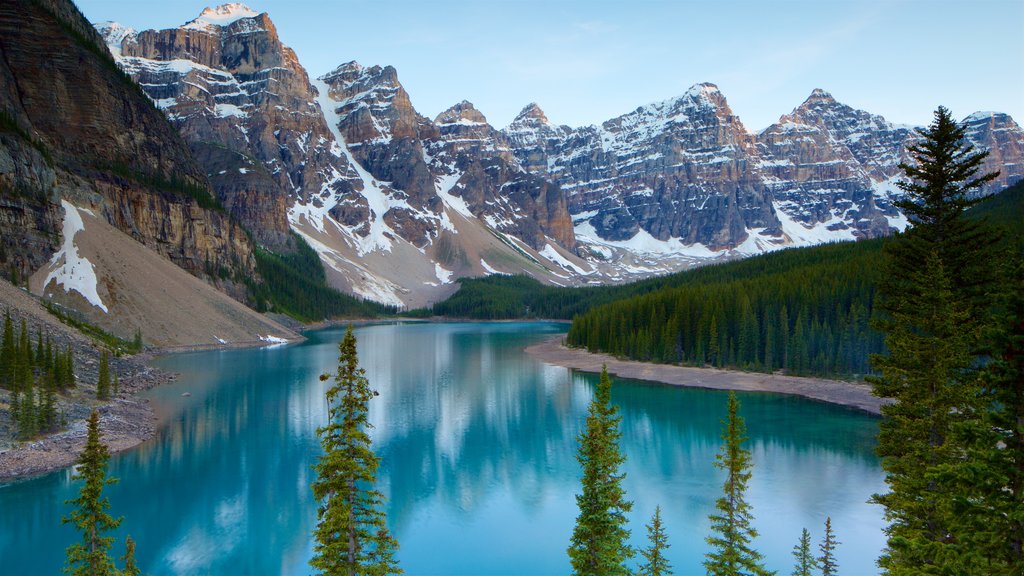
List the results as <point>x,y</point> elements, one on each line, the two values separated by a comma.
<point>850,394</point>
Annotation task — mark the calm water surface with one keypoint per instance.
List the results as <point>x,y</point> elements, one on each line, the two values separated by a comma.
<point>478,442</point>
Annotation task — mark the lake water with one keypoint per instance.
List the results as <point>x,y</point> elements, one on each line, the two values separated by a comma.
<point>477,441</point>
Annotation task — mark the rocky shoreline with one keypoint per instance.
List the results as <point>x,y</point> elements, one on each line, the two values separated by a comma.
<point>850,394</point>
<point>125,422</point>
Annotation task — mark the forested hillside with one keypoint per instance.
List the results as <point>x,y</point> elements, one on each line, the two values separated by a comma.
<point>807,312</point>
<point>808,316</point>
<point>803,310</point>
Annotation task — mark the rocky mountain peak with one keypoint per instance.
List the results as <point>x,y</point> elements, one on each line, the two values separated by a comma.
<point>221,16</point>
<point>462,113</point>
<point>704,91</point>
<point>819,95</point>
<point>531,114</point>
<point>114,33</point>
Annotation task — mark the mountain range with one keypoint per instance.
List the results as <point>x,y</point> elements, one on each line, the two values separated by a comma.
<point>398,205</point>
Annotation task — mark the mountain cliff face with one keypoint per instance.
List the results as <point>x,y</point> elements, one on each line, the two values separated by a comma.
<point>1004,139</point>
<point>73,126</point>
<point>685,175</point>
<point>458,156</point>
<point>245,105</point>
<point>397,204</point>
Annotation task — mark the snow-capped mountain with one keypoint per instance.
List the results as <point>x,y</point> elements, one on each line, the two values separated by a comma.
<point>398,204</point>
<point>684,177</point>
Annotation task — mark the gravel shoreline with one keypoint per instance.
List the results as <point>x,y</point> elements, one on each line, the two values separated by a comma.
<point>854,395</point>
<point>125,422</point>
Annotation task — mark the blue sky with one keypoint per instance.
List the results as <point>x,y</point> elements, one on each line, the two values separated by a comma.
<point>585,61</point>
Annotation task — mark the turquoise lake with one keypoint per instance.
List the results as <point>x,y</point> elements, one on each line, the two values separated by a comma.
<point>478,443</point>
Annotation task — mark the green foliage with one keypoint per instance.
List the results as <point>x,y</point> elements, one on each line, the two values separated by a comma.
<point>988,482</point>
<point>656,564</point>
<point>294,284</point>
<point>806,563</point>
<point>732,533</point>
<point>130,568</point>
<point>827,560</point>
<point>936,304</point>
<point>102,338</point>
<point>351,533</point>
<point>807,312</point>
<point>598,546</point>
<point>91,557</point>
<point>33,378</point>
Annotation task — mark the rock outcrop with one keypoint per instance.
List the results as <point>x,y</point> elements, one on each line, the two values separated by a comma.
<point>74,126</point>
<point>245,105</point>
<point>685,172</point>
<point>457,155</point>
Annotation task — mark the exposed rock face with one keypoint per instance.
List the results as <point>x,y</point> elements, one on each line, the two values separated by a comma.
<point>478,163</point>
<point>225,79</point>
<point>76,127</point>
<point>675,169</point>
<point>686,169</point>
<point>809,166</point>
<point>1004,139</point>
<point>458,155</point>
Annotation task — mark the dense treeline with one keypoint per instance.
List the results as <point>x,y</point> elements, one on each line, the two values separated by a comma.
<point>295,284</point>
<point>809,316</point>
<point>506,297</point>
<point>804,310</point>
<point>33,374</point>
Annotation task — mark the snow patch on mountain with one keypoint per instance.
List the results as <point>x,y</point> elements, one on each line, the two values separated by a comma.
<point>220,16</point>
<point>71,269</point>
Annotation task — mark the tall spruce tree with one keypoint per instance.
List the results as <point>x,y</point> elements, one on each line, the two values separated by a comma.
<point>91,557</point>
<point>827,560</point>
<point>656,564</point>
<point>806,563</point>
<point>351,533</point>
<point>732,554</point>
<point>598,546</point>
<point>935,298</point>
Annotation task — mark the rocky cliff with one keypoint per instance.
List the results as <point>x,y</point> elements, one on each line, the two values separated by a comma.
<point>245,105</point>
<point>458,156</point>
<point>397,204</point>
<point>684,175</point>
<point>73,126</point>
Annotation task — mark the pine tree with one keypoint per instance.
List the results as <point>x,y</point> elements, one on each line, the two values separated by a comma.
<point>130,568</point>
<point>598,546</point>
<point>939,186</point>
<point>928,354</point>
<point>91,557</point>
<point>28,412</point>
<point>731,553</point>
<point>806,563</point>
<point>827,560</point>
<point>103,383</point>
<point>935,296</point>
<point>40,352</point>
<point>351,533</point>
<point>657,564</point>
